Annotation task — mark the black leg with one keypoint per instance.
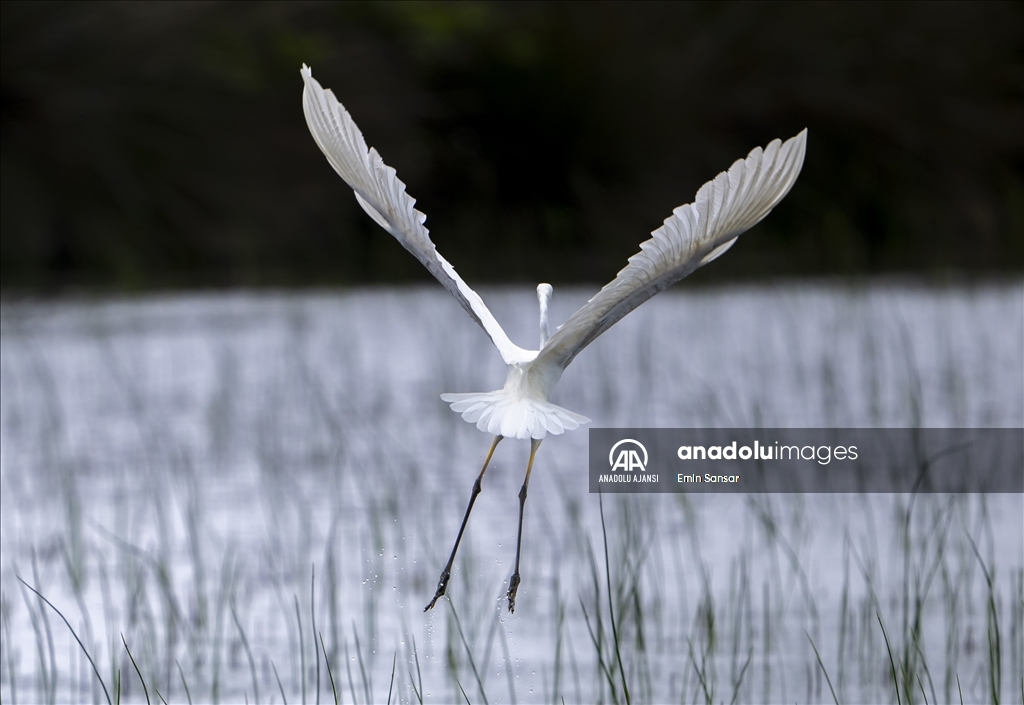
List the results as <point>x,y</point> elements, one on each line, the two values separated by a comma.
<point>513,584</point>
<point>442,584</point>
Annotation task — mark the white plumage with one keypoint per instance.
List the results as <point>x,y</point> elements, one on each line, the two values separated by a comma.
<point>695,234</point>
<point>692,236</point>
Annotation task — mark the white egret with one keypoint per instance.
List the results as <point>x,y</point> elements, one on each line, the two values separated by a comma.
<point>695,234</point>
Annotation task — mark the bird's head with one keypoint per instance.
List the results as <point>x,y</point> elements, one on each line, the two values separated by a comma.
<point>544,292</point>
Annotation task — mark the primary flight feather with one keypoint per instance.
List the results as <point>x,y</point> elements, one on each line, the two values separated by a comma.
<point>695,234</point>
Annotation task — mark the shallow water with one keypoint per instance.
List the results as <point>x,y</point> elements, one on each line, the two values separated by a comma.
<point>174,469</point>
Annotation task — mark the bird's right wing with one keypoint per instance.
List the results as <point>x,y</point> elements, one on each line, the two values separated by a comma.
<point>382,195</point>
<point>692,236</point>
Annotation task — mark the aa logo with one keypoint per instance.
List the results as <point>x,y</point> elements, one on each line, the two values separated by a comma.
<point>628,457</point>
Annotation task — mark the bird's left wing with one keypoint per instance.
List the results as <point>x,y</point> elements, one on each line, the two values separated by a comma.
<point>692,236</point>
<point>382,195</point>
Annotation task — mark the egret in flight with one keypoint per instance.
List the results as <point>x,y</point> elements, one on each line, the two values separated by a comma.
<point>695,234</point>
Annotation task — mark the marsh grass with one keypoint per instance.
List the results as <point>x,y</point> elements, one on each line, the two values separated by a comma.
<point>244,498</point>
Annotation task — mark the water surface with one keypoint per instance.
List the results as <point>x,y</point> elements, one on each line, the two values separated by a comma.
<point>176,468</point>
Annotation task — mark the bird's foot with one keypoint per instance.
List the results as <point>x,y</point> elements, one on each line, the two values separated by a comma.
<point>442,585</point>
<point>513,586</point>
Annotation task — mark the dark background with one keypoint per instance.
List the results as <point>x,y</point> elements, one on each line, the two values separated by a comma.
<point>149,145</point>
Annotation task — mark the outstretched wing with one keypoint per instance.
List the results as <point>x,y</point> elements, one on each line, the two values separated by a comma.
<point>692,236</point>
<point>382,195</point>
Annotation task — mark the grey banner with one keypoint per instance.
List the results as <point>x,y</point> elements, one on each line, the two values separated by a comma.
<point>983,460</point>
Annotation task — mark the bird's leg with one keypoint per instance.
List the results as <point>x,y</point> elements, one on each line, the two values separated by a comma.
<point>442,583</point>
<point>513,584</point>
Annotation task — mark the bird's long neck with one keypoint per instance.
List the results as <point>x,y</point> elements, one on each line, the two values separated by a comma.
<point>544,292</point>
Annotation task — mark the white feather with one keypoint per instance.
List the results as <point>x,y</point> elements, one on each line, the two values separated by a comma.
<point>695,234</point>
<point>502,414</point>
<point>382,195</point>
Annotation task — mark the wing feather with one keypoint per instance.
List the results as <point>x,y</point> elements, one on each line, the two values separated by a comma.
<point>382,195</point>
<point>695,234</point>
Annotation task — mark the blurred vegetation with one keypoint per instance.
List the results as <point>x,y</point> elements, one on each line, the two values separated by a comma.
<point>152,145</point>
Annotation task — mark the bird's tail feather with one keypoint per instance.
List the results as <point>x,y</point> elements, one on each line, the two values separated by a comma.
<point>501,414</point>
